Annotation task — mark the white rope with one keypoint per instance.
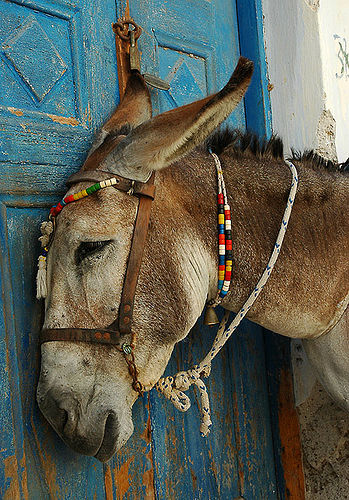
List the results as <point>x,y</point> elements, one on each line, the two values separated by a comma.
<point>173,387</point>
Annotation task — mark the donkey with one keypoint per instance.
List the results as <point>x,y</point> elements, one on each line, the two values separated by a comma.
<point>85,389</point>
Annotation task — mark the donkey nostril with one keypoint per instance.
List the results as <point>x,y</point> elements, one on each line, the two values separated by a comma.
<point>70,423</point>
<point>60,418</point>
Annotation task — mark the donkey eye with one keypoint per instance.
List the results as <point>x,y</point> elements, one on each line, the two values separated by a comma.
<point>89,248</point>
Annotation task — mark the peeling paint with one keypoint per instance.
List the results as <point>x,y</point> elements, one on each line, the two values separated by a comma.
<point>108,484</point>
<point>290,441</point>
<point>47,463</point>
<point>148,475</point>
<point>313,4</point>
<point>11,472</point>
<point>122,479</point>
<point>64,120</point>
<point>24,479</point>
<point>15,111</point>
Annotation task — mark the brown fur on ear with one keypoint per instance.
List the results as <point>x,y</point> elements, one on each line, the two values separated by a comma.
<point>134,108</point>
<point>159,142</point>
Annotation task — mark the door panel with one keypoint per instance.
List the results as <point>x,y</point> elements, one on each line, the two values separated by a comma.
<point>58,83</point>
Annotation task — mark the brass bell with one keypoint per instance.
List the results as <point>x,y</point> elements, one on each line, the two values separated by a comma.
<point>210,318</point>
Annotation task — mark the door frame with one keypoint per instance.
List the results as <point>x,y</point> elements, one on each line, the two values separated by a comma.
<point>284,417</point>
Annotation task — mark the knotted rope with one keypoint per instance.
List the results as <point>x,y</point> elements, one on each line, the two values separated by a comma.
<point>173,387</point>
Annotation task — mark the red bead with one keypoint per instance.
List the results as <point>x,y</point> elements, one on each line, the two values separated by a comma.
<point>227,275</point>
<point>221,239</point>
<point>227,214</point>
<point>220,198</point>
<point>221,268</point>
<point>69,199</point>
<point>229,245</point>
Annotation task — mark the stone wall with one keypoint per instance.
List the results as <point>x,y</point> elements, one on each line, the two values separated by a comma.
<point>307,47</point>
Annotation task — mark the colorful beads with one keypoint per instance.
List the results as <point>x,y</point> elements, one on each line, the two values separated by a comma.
<point>225,242</point>
<point>81,194</point>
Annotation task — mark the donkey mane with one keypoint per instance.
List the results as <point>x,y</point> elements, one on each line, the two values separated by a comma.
<point>242,143</point>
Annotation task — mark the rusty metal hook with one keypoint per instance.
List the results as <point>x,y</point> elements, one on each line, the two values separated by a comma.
<point>121,28</point>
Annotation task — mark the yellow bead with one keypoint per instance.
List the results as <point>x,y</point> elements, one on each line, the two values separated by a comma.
<point>76,197</point>
<point>220,218</point>
<point>229,263</point>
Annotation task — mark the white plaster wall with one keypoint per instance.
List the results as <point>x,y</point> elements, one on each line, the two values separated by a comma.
<point>307,74</point>
<point>295,71</point>
<point>334,44</point>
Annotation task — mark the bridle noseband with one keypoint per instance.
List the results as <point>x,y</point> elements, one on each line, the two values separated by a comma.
<point>111,335</point>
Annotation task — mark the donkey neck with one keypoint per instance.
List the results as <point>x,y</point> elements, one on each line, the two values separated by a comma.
<point>308,290</point>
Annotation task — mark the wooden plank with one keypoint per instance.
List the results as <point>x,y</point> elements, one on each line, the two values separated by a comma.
<point>287,447</point>
<point>256,460</point>
<point>185,463</point>
<point>52,469</point>
<point>129,474</point>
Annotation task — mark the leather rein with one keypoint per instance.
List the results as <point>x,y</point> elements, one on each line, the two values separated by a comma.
<point>111,335</point>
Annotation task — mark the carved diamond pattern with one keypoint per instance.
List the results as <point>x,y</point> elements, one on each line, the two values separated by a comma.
<point>35,58</point>
<point>184,86</point>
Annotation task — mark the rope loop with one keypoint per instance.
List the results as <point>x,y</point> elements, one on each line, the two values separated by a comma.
<point>173,389</point>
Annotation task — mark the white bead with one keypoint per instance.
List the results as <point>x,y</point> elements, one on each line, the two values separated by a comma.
<point>227,224</point>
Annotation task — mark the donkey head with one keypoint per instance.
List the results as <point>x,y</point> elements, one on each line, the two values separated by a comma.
<point>85,390</point>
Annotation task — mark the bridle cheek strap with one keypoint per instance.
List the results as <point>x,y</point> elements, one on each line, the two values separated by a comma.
<point>124,321</point>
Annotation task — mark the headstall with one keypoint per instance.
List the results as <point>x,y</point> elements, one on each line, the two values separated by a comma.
<point>110,335</point>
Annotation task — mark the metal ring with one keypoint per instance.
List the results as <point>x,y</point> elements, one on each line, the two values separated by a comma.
<point>121,28</point>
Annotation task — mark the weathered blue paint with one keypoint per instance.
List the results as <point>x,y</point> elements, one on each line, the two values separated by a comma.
<point>47,118</point>
<point>257,101</point>
<point>58,83</point>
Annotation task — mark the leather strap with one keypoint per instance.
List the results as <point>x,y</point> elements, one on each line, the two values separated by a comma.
<point>140,232</point>
<point>93,336</point>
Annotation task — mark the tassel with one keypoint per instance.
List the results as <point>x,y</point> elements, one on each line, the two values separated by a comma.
<point>41,285</point>
<point>41,277</point>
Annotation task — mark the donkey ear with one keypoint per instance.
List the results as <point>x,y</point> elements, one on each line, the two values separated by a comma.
<point>134,109</point>
<point>159,142</point>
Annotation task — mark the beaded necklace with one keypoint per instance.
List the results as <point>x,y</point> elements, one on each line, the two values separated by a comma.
<point>225,242</point>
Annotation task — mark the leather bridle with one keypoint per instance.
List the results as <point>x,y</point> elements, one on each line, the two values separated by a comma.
<point>111,335</point>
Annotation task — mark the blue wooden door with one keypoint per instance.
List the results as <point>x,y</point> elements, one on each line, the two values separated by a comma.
<point>58,83</point>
